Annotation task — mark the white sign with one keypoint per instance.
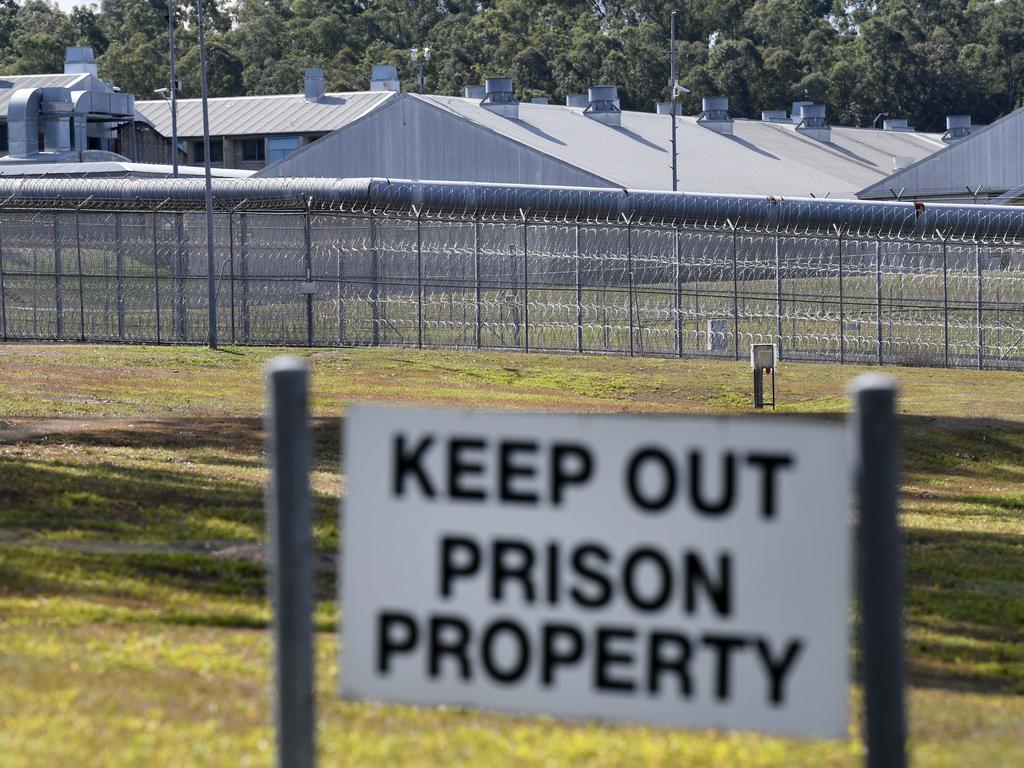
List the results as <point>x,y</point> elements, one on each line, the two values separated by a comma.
<point>672,570</point>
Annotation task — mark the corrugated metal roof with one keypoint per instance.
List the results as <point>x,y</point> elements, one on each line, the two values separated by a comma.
<point>11,83</point>
<point>116,168</point>
<point>262,115</point>
<point>759,158</point>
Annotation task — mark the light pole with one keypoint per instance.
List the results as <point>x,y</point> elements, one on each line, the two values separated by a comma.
<point>672,102</point>
<point>211,287</point>
<point>174,89</point>
<point>415,56</point>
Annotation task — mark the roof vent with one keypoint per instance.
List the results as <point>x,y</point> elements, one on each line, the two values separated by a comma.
<point>665,108</point>
<point>577,100</point>
<point>798,107</point>
<point>774,116</point>
<point>603,105</point>
<point>499,98</point>
<point>313,84</point>
<point>714,114</point>
<point>474,92</point>
<point>384,77</point>
<point>539,100</point>
<point>79,61</point>
<point>896,124</point>
<point>810,121</point>
<point>957,127</point>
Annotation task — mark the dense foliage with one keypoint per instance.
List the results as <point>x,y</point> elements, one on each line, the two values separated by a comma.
<point>920,60</point>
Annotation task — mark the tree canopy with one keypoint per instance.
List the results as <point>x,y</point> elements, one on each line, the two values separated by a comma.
<point>919,59</point>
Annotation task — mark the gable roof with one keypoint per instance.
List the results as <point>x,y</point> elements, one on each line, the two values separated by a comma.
<point>990,158</point>
<point>261,115</point>
<point>759,158</point>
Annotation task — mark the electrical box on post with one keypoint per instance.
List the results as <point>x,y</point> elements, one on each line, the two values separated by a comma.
<point>763,361</point>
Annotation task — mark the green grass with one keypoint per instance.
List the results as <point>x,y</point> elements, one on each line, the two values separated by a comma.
<point>133,609</point>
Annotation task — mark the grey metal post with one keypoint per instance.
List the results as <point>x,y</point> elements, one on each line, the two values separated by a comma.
<point>526,290</point>
<point>419,283</point>
<point>477,319</point>
<point>778,297</point>
<point>678,259</point>
<point>290,530</point>
<point>945,305</point>
<point>81,285</point>
<point>308,255</point>
<point>58,276</point>
<point>174,88</point>
<point>181,272</point>
<point>340,295</point>
<point>3,295</point>
<point>375,277</point>
<point>579,292</point>
<point>632,286</point>
<point>880,571</point>
<point>672,104</point>
<point>243,269</point>
<point>978,298</point>
<point>735,299</point>
<point>842,300</point>
<point>878,297</point>
<point>211,284</point>
<point>156,278</point>
<point>231,269</point>
<point>119,271</point>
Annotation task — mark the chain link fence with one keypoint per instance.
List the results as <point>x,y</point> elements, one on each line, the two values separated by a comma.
<point>295,270</point>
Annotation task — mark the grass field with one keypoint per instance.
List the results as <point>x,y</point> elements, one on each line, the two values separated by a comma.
<point>133,609</point>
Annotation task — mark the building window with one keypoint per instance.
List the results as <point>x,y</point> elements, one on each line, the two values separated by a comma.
<point>253,151</point>
<point>3,139</point>
<point>216,151</point>
<point>279,147</point>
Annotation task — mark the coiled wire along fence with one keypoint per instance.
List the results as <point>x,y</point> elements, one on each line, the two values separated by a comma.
<point>373,262</point>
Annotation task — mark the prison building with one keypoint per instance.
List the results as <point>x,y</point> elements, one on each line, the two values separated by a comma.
<point>979,164</point>
<point>487,135</point>
<point>67,117</point>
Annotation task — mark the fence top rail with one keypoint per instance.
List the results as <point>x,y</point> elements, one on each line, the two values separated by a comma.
<point>518,203</point>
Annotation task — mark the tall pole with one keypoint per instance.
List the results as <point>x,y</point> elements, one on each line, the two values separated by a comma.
<point>174,89</point>
<point>211,285</point>
<point>672,104</point>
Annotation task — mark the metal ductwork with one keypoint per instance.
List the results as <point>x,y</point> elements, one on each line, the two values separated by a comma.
<point>477,92</point>
<point>896,124</point>
<point>774,116</point>
<point>714,114</point>
<point>499,97</point>
<point>313,84</point>
<point>79,60</point>
<point>856,217</point>
<point>577,101</point>
<point>39,112</point>
<point>957,127</point>
<point>384,77</point>
<point>603,105</point>
<point>810,121</point>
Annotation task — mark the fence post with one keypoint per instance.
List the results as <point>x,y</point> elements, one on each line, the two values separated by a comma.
<point>735,297</point>
<point>307,237</point>
<point>419,282</point>
<point>243,268</point>
<point>880,571</point>
<point>629,271</point>
<point>119,270</point>
<point>878,296</point>
<point>339,292</point>
<point>231,269</point>
<point>526,289</point>
<point>477,319</point>
<point>289,520</point>
<point>842,299</point>
<point>156,278</point>
<point>945,303</point>
<point>81,285</point>
<point>978,297</point>
<point>374,277</point>
<point>3,294</point>
<point>58,276</point>
<point>778,296</point>
<point>181,272</point>
<point>679,289</point>
<point>579,290</point>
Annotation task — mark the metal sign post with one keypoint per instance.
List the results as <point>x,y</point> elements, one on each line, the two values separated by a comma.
<point>290,529</point>
<point>763,359</point>
<point>880,570</point>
